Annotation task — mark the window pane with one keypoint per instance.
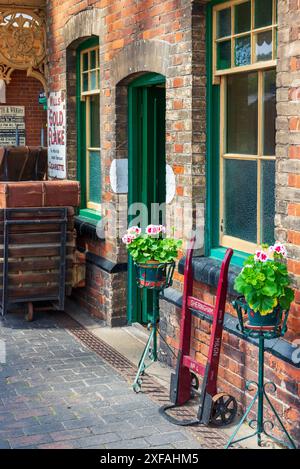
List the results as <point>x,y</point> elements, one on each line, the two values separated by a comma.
<point>224,55</point>
<point>224,23</point>
<point>264,46</point>
<point>93,80</point>
<point>85,61</point>
<point>94,121</point>
<point>242,14</point>
<point>94,177</point>
<point>263,13</point>
<point>268,201</point>
<point>269,106</point>
<point>85,81</point>
<point>242,113</point>
<point>242,51</point>
<point>93,59</point>
<point>240,198</point>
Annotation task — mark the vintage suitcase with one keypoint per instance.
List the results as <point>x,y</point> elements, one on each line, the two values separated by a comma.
<point>23,163</point>
<point>61,193</point>
<point>39,194</point>
<point>21,194</point>
<point>41,164</point>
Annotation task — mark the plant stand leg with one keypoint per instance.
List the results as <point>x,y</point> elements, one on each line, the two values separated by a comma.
<point>155,317</point>
<point>232,440</point>
<point>260,396</point>
<point>150,349</point>
<point>260,407</point>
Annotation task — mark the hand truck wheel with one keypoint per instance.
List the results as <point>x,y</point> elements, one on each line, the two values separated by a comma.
<point>195,381</point>
<point>194,384</point>
<point>30,312</point>
<point>224,410</point>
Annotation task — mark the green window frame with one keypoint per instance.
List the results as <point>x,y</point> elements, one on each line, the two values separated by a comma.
<point>215,242</point>
<point>88,128</point>
<point>244,36</point>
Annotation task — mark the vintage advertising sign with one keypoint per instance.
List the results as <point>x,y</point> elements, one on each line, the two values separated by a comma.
<point>57,135</point>
<point>12,125</point>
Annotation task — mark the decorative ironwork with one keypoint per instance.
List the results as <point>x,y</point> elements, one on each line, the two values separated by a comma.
<point>262,388</point>
<point>22,43</point>
<point>156,279</point>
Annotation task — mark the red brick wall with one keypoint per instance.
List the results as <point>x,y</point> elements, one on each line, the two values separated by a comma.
<point>288,147</point>
<point>24,91</point>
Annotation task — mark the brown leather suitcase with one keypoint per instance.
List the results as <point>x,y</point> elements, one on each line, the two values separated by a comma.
<point>41,164</point>
<point>21,194</point>
<point>39,194</point>
<point>23,163</point>
<point>16,162</point>
<point>61,193</point>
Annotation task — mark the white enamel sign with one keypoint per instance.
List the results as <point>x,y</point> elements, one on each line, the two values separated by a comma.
<point>57,135</point>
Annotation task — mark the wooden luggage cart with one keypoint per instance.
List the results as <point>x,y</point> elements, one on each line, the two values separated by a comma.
<point>34,250</point>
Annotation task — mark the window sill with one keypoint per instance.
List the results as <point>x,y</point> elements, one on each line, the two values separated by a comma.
<point>86,225</point>
<point>207,270</point>
<point>237,259</point>
<point>90,215</point>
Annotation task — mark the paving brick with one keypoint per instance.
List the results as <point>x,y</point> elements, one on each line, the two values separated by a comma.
<point>58,445</point>
<point>70,434</point>
<point>29,440</point>
<point>5,434</point>
<point>82,423</point>
<point>162,438</point>
<point>128,444</point>
<point>97,439</point>
<point>190,444</point>
<point>4,444</point>
<point>119,417</point>
<point>110,428</point>
<point>138,433</point>
<point>37,429</point>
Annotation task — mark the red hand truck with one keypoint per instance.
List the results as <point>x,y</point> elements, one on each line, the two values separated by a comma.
<point>216,408</point>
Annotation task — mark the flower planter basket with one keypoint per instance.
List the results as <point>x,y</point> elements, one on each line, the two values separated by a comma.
<point>154,275</point>
<point>262,388</point>
<point>255,319</point>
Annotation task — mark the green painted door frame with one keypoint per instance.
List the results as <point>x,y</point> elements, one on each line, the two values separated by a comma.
<point>146,167</point>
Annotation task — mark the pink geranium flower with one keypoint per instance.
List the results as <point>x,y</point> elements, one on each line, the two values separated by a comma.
<point>279,248</point>
<point>127,239</point>
<point>134,230</point>
<point>161,228</point>
<point>261,256</point>
<point>152,230</point>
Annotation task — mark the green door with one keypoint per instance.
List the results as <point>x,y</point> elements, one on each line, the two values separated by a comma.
<point>147,168</point>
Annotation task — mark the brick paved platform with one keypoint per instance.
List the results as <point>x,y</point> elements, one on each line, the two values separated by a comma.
<point>57,393</point>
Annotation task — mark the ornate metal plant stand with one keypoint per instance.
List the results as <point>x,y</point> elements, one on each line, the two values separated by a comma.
<point>260,425</point>
<point>161,280</point>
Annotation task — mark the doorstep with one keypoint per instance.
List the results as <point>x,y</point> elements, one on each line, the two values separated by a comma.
<point>130,341</point>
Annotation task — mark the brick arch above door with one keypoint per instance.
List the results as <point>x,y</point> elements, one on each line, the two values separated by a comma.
<point>85,24</point>
<point>141,56</point>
